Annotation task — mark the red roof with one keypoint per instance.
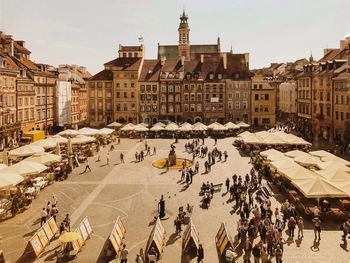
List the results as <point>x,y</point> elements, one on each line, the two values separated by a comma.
<point>125,63</point>
<point>150,70</point>
<point>103,75</point>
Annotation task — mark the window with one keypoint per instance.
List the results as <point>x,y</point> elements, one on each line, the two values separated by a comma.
<point>170,89</point>
<point>186,107</point>
<point>163,89</point>
<point>186,98</point>
<point>125,94</point>
<point>266,109</point>
<point>142,88</point>
<point>256,109</point>
<point>237,105</point>
<point>256,97</point>
<point>125,107</point>
<point>199,107</point>
<point>266,96</point>
<point>230,105</point>
<point>199,96</point>
<point>118,94</point>
<point>193,97</point>
<point>260,86</point>
<point>245,105</point>
<point>132,95</point>
<point>177,89</point>
<point>237,94</point>
<point>193,108</point>
<point>186,87</point>
<point>341,116</point>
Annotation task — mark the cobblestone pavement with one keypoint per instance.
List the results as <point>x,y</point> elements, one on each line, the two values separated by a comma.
<point>132,190</point>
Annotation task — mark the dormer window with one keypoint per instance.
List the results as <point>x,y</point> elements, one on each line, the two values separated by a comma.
<point>237,76</point>
<point>177,75</point>
<point>219,76</point>
<point>163,75</point>
<point>171,75</point>
<point>188,76</point>
<point>211,76</point>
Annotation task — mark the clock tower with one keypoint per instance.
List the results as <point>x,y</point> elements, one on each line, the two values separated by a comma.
<point>184,37</point>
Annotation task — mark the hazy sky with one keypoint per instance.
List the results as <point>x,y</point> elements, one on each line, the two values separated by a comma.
<point>87,32</point>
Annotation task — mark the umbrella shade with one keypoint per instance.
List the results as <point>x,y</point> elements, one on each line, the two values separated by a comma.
<point>272,139</point>
<point>106,131</point>
<point>284,164</point>
<point>335,159</point>
<point>2,166</point>
<point>9,179</point>
<point>307,160</point>
<point>157,128</point>
<point>335,174</point>
<point>214,124</point>
<point>171,127</point>
<point>231,126</point>
<point>88,131</point>
<point>69,132</point>
<point>44,158</point>
<point>26,150</point>
<point>245,134</point>
<point>263,134</point>
<point>270,152</point>
<point>81,139</point>
<point>277,157</point>
<point>161,124</point>
<point>295,153</point>
<point>140,128</point>
<point>58,139</point>
<point>198,126</point>
<point>321,153</point>
<point>185,127</point>
<point>185,124</point>
<point>330,165</point>
<point>115,124</point>
<point>46,144</point>
<point>25,168</point>
<point>69,237</point>
<point>253,139</point>
<point>128,127</point>
<point>297,172</point>
<point>243,125</point>
<point>143,124</point>
<point>317,187</point>
<point>220,128</point>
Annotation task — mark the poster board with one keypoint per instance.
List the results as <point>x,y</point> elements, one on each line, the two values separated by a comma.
<point>87,225</point>
<point>117,235</point>
<point>156,238</point>
<point>36,245</point>
<point>43,237</point>
<point>53,225</point>
<point>83,232</point>
<point>190,233</point>
<point>80,241</point>
<point>223,239</point>
<point>48,231</point>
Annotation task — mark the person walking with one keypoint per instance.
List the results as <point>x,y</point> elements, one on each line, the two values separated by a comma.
<point>43,216</point>
<point>279,254</point>
<point>200,253</point>
<point>257,253</point>
<point>121,158</point>
<point>107,158</point>
<point>317,228</point>
<point>197,167</point>
<point>345,227</point>
<point>124,255</point>
<point>87,166</point>
<point>300,224</point>
<point>291,227</point>
<point>227,183</point>
<point>177,224</point>
<point>154,150</point>
<point>54,212</point>
<point>54,200</point>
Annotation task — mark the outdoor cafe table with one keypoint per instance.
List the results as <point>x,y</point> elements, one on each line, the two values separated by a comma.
<point>40,184</point>
<point>31,191</point>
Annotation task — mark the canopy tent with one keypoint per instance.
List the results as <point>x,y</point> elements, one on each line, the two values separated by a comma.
<point>283,164</point>
<point>335,174</point>
<point>263,134</point>
<point>317,187</point>
<point>106,131</point>
<point>46,144</point>
<point>44,158</point>
<point>245,134</point>
<point>88,131</point>
<point>140,128</point>
<point>219,127</point>
<point>272,139</point>
<point>115,124</point>
<point>9,179</point>
<point>58,139</point>
<point>69,132</point>
<point>81,139</point>
<point>185,124</point>
<point>171,127</point>
<point>185,127</point>
<point>243,125</point>
<point>128,127</point>
<point>308,160</point>
<point>277,157</point>
<point>156,128</point>
<point>25,168</point>
<point>253,139</point>
<point>143,124</point>
<point>336,159</point>
<point>161,124</point>
<point>291,138</point>
<point>295,153</point>
<point>321,153</point>
<point>330,164</point>
<point>26,150</point>
<point>231,126</point>
<point>270,152</point>
<point>297,172</point>
<point>198,126</point>
<point>2,166</point>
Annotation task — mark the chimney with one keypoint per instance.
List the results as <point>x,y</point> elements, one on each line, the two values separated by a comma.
<point>224,60</point>
<point>202,58</point>
<point>162,60</point>
<point>182,60</point>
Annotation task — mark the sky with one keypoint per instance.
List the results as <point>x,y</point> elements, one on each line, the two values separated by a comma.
<point>88,32</point>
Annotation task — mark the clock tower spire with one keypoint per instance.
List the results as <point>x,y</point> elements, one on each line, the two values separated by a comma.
<point>184,37</point>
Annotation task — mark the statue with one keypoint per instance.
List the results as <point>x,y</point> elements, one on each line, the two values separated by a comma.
<point>161,207</point>
<point>172,155</point>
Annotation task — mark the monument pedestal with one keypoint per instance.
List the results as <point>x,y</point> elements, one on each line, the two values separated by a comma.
<point>172,158</point>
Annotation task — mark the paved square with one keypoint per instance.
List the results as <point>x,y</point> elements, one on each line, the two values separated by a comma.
<point>132,190</point>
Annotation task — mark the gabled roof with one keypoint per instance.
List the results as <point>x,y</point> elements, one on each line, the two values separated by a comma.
<point>150,70</point>
<point>124,63</point>
<point>103,75</point>
<point>19,46</point>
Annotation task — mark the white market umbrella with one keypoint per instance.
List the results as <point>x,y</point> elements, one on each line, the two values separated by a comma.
<point>44,158</point>
<point>186,127</point>
<point>231,126</point>
<point>245,134</point>
<point>243,125</point>
<point>115,124</point>
<point>284,164</point>
<point>81,139</point>
<point>335,159</point>
<point>171,127</point>
<point>128,127</point>
<point>26,150</point>
<point>106,131</point>
<point>335,174</point>
<point>161,124</point>
<point>198,126</point>
<point>185,124</point>
<point>88,131</point>
<point>143,124</point>
<point>321,153</point>
<point>213,125</point>
<point>25,168</point>
<point>307,160</point>
<point>58,139</point>
<point>46,144</point>
<point>317,187</point>
<point>140,128</point>
<point>297,172</point>
<point>69,132</point>
<point>295,153</point>
<point>157,128</point>
<point>9,179</point>
<point>220,127</point>
<point>270,152</point>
